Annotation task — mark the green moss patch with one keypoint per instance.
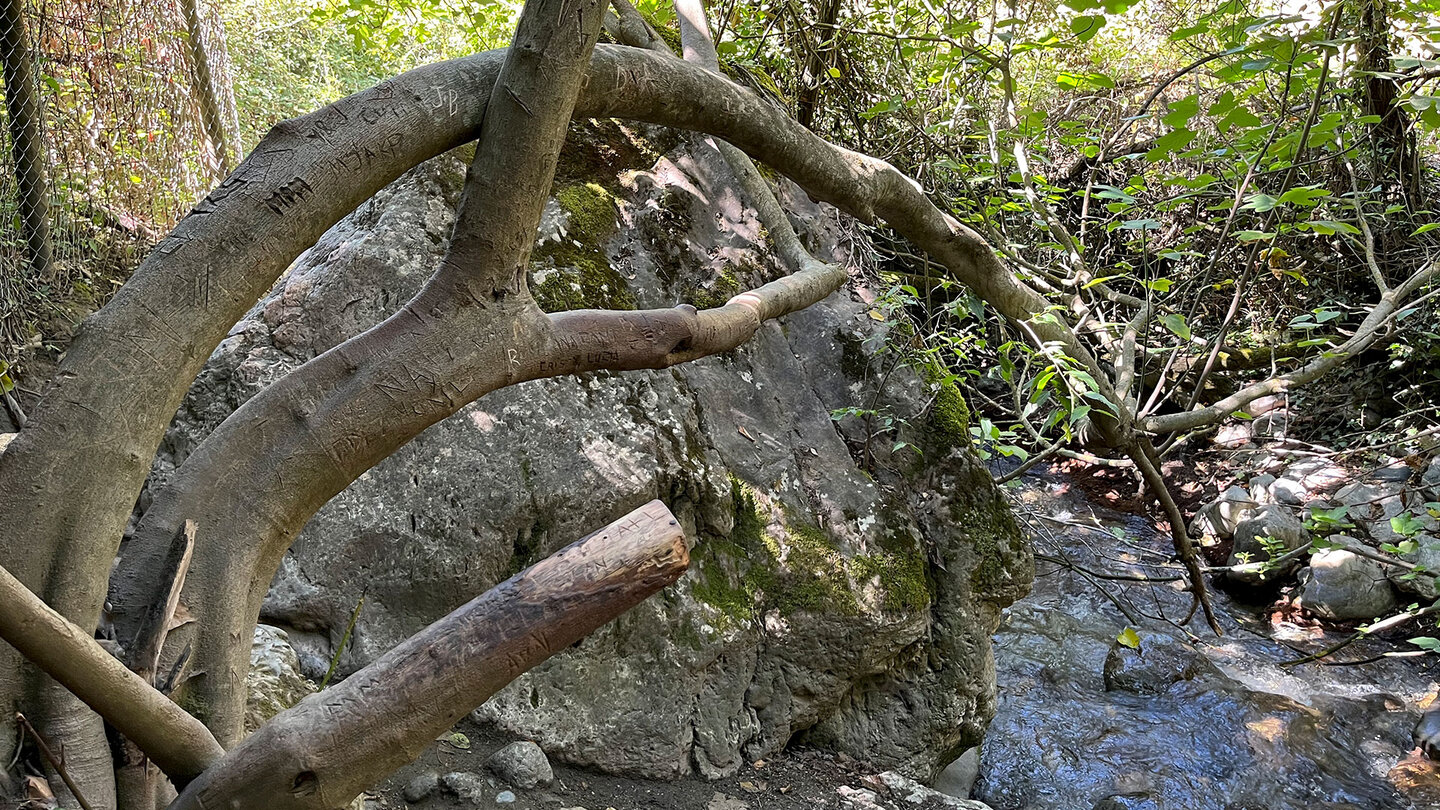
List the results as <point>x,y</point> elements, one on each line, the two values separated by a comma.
<point>948,423</point>
<point>599,150</point>
<point>754,570</point>
<point>574,273</point>
<point>722,289</point>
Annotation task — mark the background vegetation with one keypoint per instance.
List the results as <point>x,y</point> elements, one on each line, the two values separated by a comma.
<point>1246,170</point>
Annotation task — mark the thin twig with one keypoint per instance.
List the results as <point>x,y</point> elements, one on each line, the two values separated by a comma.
<point>55,762</point>
<point>1101,575</point>
<point>1380,626</point>
<point>345,639</point>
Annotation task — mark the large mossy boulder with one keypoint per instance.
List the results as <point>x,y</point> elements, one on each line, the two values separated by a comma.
<point>847,603</point>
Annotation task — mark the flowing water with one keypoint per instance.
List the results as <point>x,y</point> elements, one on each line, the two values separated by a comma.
<point>1188,721</point>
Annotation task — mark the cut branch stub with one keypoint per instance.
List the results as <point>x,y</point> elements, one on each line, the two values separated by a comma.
<point>143,651</point>
<point>334,744</point>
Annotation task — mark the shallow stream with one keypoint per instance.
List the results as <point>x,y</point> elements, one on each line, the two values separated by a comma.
<point>1190,721</point>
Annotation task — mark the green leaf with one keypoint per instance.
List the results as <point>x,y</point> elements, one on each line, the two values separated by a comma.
<point>1307,196</point>
<point>1129,638</point>
<point>1175,322</point>
<point>1086,26</point>
<point>1259,202</point>
<point>1327,227</point>
<point>1238,117</point>
<point>1172,141</point>
<point>1190,31</point>
<point>1426,643</point>
<point>1255,236</point>
<point>1182,111</point>
<point>459,741</point>
<point>1076,81</point>
<point>1406,524</point>
<point>1426,228</point>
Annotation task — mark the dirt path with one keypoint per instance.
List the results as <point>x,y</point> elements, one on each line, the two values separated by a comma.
<point>795,780</point>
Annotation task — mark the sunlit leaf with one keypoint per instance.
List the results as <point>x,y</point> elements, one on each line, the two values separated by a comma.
<point>1175,322</point>
<point>1086,26</point>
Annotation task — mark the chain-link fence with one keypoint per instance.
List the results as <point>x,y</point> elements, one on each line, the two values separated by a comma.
<point>118,116</point>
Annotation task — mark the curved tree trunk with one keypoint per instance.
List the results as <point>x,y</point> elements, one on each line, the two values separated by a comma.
<point>325,424</point>
<point>71,476</point>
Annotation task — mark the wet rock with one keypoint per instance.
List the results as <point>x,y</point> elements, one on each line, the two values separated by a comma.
<point>1430,478</point>
<point>274,682</point>
<point>1316,474</point>
<point>1399,517</point>
<point>909,793</point>
<point>853,798</point>
<point>958,778</point>
<point>1220,517</point>
<point>521,764</point>
<point>1365,498</point>
<point>1342,585</point>
<point>849,607</point>
<point>1271,425</point>
<point>1272,523</point>
<point>1232,435</point>
<point>420,788</point>
<point>1269,489</point>
<point>1427,732</point>
<point>467,786</point>
<point>505,797</point>
<point>1154,667</point>
<point>1128,801</point>
<point>1259,488</point>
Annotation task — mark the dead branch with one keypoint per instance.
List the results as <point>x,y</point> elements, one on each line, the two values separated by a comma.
<point>178,743</point>
<point>321,753</point>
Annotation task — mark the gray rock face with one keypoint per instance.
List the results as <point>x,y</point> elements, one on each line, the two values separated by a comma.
<point>1426,555</point>
<point>1220,517</point>
<point>1430,478</point>
<point>1343,585</point>
<point>958,778</point>
<point>850,605</point>
<point>420,788</point>
<point>1268,524</point>
<point>906,792</point>
<point>275,682</point>
<point>468,787</point>
<point>521,764</point>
